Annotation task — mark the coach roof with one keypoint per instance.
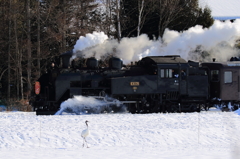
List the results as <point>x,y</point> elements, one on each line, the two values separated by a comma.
<point>222,64</point>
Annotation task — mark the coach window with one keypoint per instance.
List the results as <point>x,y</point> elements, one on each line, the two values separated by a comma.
<point>227,77</point>
<point>215,75</point>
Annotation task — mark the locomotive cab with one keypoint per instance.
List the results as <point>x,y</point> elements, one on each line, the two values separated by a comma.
<point>169,84</point>
<point>182,83</point>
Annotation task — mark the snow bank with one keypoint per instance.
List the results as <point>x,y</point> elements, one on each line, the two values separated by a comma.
<point>237,111</point>
<point>3,108</point>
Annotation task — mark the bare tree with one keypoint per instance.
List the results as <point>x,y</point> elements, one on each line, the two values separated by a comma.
<point>38,39</point>
<point>135,14</point>
<point>168,12</point>
<point>29,52</point>
<point>176,14</point>
<point>106,11</point>
<point>9,52</point>
<point>119,35</point>
<point>144,9</point>
<point>108,16</point>
<point>18,54</point>
<point>140,14</point>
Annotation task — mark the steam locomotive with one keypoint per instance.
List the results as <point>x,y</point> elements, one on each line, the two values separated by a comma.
<point>153,84</point>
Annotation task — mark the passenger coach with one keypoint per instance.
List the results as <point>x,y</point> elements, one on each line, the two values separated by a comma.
<point>224,79</point>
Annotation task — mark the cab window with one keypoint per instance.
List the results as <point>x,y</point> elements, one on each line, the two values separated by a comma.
<point>169,73</point>
<point>166,73</point>
<point>214,75</point>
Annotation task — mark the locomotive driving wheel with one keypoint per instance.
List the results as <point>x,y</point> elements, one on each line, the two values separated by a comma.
<point>204,107</point>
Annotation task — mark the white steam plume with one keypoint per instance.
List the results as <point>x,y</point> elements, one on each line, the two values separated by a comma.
<point>90,40</point>
<point>218,41</point>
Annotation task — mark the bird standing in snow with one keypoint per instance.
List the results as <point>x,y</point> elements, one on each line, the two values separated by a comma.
<point>85,133</point>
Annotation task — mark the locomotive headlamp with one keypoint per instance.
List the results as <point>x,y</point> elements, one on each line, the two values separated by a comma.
<point>37,87</point>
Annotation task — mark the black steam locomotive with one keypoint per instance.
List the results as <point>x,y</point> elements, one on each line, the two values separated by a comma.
<point>153,84</point>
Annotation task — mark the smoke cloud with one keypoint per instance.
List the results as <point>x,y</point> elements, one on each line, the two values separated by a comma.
<point>196,43</point>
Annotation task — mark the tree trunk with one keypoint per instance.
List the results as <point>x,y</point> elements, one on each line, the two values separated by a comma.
<point>140,10</point>
<point>17,56</point>
<point>64,28</point>
<point>9,52</point>
<point>29,65</point>
<point>38,41</point>
<point>20,75</point>
<point>160,19</point>
<point>108,16</point>
<point>118,20</point>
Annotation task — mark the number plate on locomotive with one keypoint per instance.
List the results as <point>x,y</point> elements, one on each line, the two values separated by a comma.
<point>134,84</point>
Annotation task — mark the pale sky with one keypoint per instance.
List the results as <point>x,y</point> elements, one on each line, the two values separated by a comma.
<point>223,8</point>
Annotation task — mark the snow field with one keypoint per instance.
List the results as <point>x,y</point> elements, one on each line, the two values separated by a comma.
<point>180,135</point>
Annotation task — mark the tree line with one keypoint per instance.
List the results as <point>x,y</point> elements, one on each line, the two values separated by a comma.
<point>32,32</point>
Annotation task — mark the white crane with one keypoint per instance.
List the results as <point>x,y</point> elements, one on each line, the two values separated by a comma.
<point>85,133</point>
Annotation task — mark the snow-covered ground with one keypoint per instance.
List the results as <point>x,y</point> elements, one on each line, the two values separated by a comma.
<point>205,135</point>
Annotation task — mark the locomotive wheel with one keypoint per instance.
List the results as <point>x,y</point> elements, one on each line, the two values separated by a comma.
<point>204,107</point>
<point>132,108</point>
<point>156,109</point>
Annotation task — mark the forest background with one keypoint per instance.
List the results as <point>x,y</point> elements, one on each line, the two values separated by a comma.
<point>33,32</point>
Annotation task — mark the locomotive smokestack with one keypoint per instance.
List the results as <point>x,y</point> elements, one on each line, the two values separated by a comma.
<point>214,59</point>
